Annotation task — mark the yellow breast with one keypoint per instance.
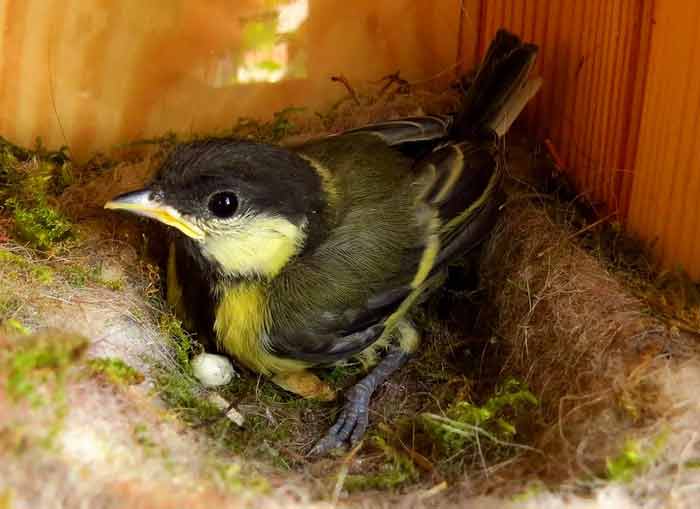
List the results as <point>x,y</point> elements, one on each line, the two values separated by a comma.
<point>241,326</point>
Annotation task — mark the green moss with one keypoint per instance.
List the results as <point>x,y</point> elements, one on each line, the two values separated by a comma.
<point>37,369</point>
<point>234,480</point>
<point>112,284</point>
<point>183,394</point>
<point>63,177</point>
<point>38,359</point>
<point>115,371</point>
<point>177,386</point>
<point>16,326</point>
<point>8,258</point>
<point>9,305</point>
<point>35,172</point>
<point>27,179</point>
<point>81,276</point>
<point>175,382</point>
<point>11,262</point>
<point>40,225</point>
<point>634,459</point>
<point>182,343</point>
<point>466,425</point>
<point>397,470</point>
<point>142,436</point>
<point>43,274</point>
<point>78,276</point>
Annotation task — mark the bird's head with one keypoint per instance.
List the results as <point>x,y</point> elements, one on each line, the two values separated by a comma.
<point>246,207</point>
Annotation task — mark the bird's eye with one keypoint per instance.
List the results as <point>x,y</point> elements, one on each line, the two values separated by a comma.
<point>223,205</point>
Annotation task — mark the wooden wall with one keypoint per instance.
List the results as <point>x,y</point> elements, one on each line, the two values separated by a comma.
<point>664,205</point>
<point>593,59</point>
<point>621,103</point>
<point>621,100</point>
<point>90,74</point>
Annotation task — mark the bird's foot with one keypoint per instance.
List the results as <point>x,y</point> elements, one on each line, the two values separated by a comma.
<point>354,418</point>
<point>352,421</point>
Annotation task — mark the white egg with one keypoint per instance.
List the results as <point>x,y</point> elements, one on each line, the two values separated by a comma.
<point>212,370</point>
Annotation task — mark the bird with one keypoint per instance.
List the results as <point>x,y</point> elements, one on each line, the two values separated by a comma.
<point>295,257</point>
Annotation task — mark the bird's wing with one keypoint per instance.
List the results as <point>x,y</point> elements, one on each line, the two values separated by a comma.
<point>337,305</point>
<point>464,188</point>
<point>331,301</point>
<point>408,129</point>
<point>340,335</point>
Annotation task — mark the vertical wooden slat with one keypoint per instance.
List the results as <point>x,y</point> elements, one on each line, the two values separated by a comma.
<point>663,207</point>
<point>4,7</point>
<point>470,20</point>
<point>667,222</point>
<point>638,67</point>
<point>615,123</point>
<point>550,52</point>
<point>587,51</point>
<point>93,118</point>
<point>584,116</point>
<point>51,126</point>
<point>603,164</point>
<point>568,77</point>
<point>539,26</point>
<point>13,43</point>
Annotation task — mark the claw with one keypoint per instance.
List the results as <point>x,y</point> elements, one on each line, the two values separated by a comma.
<point>351,423</point>
<point>354,418</point>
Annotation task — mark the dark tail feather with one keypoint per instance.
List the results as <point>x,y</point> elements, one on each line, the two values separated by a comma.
<point>501,88</point>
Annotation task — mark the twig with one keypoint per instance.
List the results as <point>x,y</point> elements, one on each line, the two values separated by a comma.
<point>438,488</point>
<point>417,457</point>
<point>344,81</point>
<point>53,98</point>
<point>228,411</point>
<point>343,473</point>
<point>447,425</point>
<point>403,85</point>
<point>554,154</point>
<point>435,76</point>
<point>674,322</point>
<point>577,233</point>
<point>526,196</point>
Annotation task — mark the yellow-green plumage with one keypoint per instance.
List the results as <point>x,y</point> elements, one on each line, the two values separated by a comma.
<point>297,257</point>
<point>374,185</point>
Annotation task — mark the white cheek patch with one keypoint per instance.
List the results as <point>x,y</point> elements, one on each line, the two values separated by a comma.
<point>255,245</point>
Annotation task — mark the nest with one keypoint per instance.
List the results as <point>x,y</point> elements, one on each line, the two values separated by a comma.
<point>579,329</point>
<point>612,365</point>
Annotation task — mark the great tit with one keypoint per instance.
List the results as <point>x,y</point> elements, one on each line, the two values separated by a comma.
<point>299,257</point>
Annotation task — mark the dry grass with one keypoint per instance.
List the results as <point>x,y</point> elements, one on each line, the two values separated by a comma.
<point>584,344</point>
<point>581,331</point>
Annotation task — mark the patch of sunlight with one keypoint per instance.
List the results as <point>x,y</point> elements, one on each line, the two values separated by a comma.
<point>292,15</point>
<point>271,47</point>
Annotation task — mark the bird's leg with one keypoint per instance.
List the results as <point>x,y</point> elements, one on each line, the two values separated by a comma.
<point>353,419</point>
